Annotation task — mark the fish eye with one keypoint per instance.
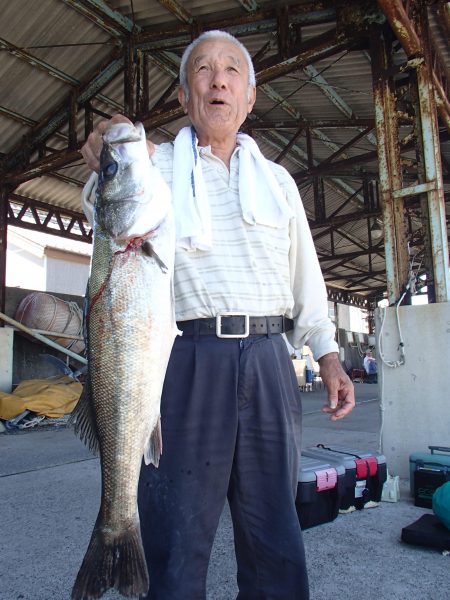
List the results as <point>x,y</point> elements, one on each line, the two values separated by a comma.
<point>109,170</point>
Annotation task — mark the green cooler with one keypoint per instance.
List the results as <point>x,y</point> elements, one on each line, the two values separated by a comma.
<point>427,472</point>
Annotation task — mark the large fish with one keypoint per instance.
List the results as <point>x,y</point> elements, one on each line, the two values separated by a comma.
<point>131,328</point>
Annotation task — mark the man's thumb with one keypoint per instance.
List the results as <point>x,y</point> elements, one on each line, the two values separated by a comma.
<point>333,401</point>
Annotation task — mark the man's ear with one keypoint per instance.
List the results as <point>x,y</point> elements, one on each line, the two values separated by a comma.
<point>182,98</point>
<point>251,98</point>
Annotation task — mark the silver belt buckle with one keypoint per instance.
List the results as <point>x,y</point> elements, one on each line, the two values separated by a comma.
<point>232,335</point>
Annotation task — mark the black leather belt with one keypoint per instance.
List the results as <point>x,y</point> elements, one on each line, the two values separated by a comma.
<point>236,326</point>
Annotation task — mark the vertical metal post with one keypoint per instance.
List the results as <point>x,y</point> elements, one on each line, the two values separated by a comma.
<point>283,31</point>
<point>88,120</point>
<point>128,81</point>
<point>386,125</point>
<point>318,187</point>
<point>424,217</point>
<point>3,245</point>
<point>432,165</point>
<point>142,83</point>
<point>73,121</point>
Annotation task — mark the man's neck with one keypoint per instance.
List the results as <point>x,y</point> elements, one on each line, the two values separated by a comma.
<point>222,148</point>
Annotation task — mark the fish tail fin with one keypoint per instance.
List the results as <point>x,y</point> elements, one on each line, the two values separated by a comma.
<point>112,562</point>
<point>153,447</point>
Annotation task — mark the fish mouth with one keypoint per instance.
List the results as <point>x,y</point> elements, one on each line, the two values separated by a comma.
<point>137,197</point>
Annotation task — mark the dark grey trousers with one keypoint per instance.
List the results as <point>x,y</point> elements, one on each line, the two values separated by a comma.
<point>231,427</point>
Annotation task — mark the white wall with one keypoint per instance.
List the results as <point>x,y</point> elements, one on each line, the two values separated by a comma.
<point>352,318</point>
<point>358,320</point>
<point>6,358</point>
<point>46,263</point>
<point>66,273</point>
<point>25,268</point>
<point>415,396</point>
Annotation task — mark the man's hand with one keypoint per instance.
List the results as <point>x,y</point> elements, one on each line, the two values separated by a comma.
<point>341,393</point>
<point>93,146</point>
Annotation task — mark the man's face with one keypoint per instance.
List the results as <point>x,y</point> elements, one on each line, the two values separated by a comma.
<point>219,95</point>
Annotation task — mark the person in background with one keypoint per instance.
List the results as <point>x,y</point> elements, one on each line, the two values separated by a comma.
<point>309,372</point>
<point>370,367</point>
<point>230,409</point>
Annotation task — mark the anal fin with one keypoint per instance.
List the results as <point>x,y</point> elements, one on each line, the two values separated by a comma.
<point>153,447</point>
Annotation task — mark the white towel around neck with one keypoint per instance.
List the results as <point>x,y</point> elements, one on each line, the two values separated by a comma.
<point>262,200</point>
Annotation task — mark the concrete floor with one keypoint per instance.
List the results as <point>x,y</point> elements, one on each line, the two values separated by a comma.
<point>49,498</point>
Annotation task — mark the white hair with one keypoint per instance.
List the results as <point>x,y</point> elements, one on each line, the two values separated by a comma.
<point>208,35</point>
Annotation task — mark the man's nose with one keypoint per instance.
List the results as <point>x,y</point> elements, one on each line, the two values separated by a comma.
<point>218,79</point>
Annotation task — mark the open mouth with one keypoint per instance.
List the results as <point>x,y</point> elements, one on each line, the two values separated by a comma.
<point>217,102</point>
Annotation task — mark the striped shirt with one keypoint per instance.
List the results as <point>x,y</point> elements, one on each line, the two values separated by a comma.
<point>251,269</point>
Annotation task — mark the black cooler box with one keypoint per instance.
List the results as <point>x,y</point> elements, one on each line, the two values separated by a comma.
<point>365,473</point>
<point>319,491</point>
<point>427,472</point>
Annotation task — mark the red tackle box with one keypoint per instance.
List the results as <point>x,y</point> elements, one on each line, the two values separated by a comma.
<point>319,491</point>
<point>365,473</point>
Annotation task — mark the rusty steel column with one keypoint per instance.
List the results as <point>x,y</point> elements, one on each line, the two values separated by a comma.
<point>432,165</point>
<point>386,125</point>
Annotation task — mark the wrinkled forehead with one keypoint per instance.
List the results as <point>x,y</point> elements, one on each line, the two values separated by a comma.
<point>218,49</point>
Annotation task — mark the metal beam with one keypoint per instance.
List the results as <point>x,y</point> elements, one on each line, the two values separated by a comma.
<point>97,11</point>
<point>315,123</point>
<point>320,47</point>
<point>345,256</point>
<point>43,166</point>
<point>338,220</point>
<point>346,297</point>
<point>329,91</point>
<point>47,68</point>
<point>237,24</point>
<point>60,116</point>
<point>356,279</point>
<point>39,216</point>
<point>329,168</point>
<point>271,93</point>
<point>177,10</point>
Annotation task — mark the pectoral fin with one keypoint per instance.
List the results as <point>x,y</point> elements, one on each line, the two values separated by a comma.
<point>147,248</point>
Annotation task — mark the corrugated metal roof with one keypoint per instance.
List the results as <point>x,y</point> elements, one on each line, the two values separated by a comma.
<point>53,49</point>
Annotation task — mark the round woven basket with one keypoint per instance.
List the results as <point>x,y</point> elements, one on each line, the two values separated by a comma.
<point>43,311</point>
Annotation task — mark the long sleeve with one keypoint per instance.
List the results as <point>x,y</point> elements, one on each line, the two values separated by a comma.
<point>310,311</point>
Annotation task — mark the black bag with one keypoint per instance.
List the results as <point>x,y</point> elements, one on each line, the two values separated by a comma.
<point>427,531</point>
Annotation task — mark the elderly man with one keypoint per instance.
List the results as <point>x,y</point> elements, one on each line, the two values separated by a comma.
<point>231,412</point>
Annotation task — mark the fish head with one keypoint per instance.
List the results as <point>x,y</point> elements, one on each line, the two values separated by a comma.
<point>126,202</point>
